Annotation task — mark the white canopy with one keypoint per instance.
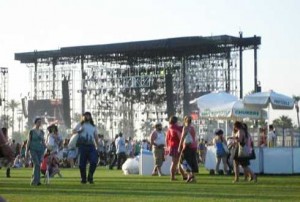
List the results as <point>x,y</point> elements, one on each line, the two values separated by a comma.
<point>264,99</point>
<point>234,110</point>
<point>222,105</point>
<point>213,99</point>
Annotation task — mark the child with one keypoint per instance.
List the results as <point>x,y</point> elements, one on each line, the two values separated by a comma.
<point>51,161</point>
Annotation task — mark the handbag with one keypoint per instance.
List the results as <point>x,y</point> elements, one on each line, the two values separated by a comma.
<point>225,147</point>
<point>188,139</point>
<point>243,151</point>
<point>73,141</point>
<point>252,155</point>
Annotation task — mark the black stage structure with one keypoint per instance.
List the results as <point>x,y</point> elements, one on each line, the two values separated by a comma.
<point>146,81</point>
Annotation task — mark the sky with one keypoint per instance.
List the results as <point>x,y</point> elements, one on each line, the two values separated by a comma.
<point>46,25</point>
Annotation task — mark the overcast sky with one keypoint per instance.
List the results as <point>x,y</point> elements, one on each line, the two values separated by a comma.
<point>28,25</point>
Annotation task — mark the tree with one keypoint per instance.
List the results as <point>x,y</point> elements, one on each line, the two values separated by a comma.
<point>283,122</point>
<point>12,105</point>
<point>297,98</point>
<point>5,121</point>
<point>146,127</point>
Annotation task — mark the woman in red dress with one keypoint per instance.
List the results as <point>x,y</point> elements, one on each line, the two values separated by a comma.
<point>172,140</point>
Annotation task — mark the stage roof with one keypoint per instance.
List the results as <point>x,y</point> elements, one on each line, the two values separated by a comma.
<point>171,47</point>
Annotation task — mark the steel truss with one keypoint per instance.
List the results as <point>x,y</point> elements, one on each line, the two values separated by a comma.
<point>122,84</point>
<point>49,83</point>
<point>3,96</point>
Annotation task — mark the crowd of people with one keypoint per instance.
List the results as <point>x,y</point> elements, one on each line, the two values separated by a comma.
<point>47,152</point>
<point>186,152</point>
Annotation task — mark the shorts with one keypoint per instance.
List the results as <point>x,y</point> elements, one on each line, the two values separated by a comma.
<point>158,154</point>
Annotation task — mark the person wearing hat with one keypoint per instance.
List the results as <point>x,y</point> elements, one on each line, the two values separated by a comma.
<point>157,140</point>
<point>219,142</point>
<point>87,142</point>
<point>36,146</point>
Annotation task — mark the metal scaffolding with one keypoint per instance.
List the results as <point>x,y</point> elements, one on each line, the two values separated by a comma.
<point>122,84</point>
<point>47,83</point>
<point>3,96</point>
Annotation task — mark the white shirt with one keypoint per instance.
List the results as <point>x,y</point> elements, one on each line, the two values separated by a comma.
<point>271,136</point>
<point>87,131</point>
<point>120,145</point>
<point>160,138</point>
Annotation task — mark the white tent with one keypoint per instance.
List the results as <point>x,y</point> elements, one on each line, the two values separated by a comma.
<point>234,110</point>
<point>222,105</point>
<point>213,99</point>
<point>265,99</point>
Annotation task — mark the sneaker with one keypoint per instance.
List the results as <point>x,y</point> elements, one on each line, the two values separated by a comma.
<point>190,179</point>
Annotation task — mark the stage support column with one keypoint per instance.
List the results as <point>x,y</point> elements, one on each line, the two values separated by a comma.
<point>255,67</point>
<point>53,78</point>
<point>241,66</point>
<point>185,88</point>
<point>169,94</point>
<point>83,89</point>
<point>35,80</point>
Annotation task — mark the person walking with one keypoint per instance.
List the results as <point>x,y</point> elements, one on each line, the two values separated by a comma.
<point>120,150</point>
<point>221,154</point>
<point>242,137</point>
<point>188,150</point>
<point>157,140</point>
<point>87,141</point>
<point>36,146</point>
<point>6,151</point>
<point>112,153</point>
<point>172,140</point>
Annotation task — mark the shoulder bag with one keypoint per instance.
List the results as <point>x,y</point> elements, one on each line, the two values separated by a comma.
<point>243,150</point>
<point>188,139</point>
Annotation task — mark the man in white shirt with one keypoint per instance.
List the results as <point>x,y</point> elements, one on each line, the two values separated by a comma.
<point>157,140</point>
<point>271,136</point>
<point>120,150</point>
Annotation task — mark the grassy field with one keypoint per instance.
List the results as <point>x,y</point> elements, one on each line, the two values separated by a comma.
<point>112,185</point>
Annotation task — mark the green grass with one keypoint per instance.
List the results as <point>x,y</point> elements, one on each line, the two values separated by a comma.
<point>112,185</point>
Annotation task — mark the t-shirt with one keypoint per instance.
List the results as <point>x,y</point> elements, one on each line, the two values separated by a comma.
<point>120,145</point>
<point>160,138</point>
<point>36,140</point>
<point>87,133</point>
<point>271,136</point>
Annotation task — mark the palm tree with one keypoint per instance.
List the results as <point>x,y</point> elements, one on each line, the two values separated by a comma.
<point>297,98</point>
<point>12,105</point>
<point>283,122</point>
<point>5,121</point>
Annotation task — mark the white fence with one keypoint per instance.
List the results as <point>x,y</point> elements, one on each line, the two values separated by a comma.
<point>278,160</point>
